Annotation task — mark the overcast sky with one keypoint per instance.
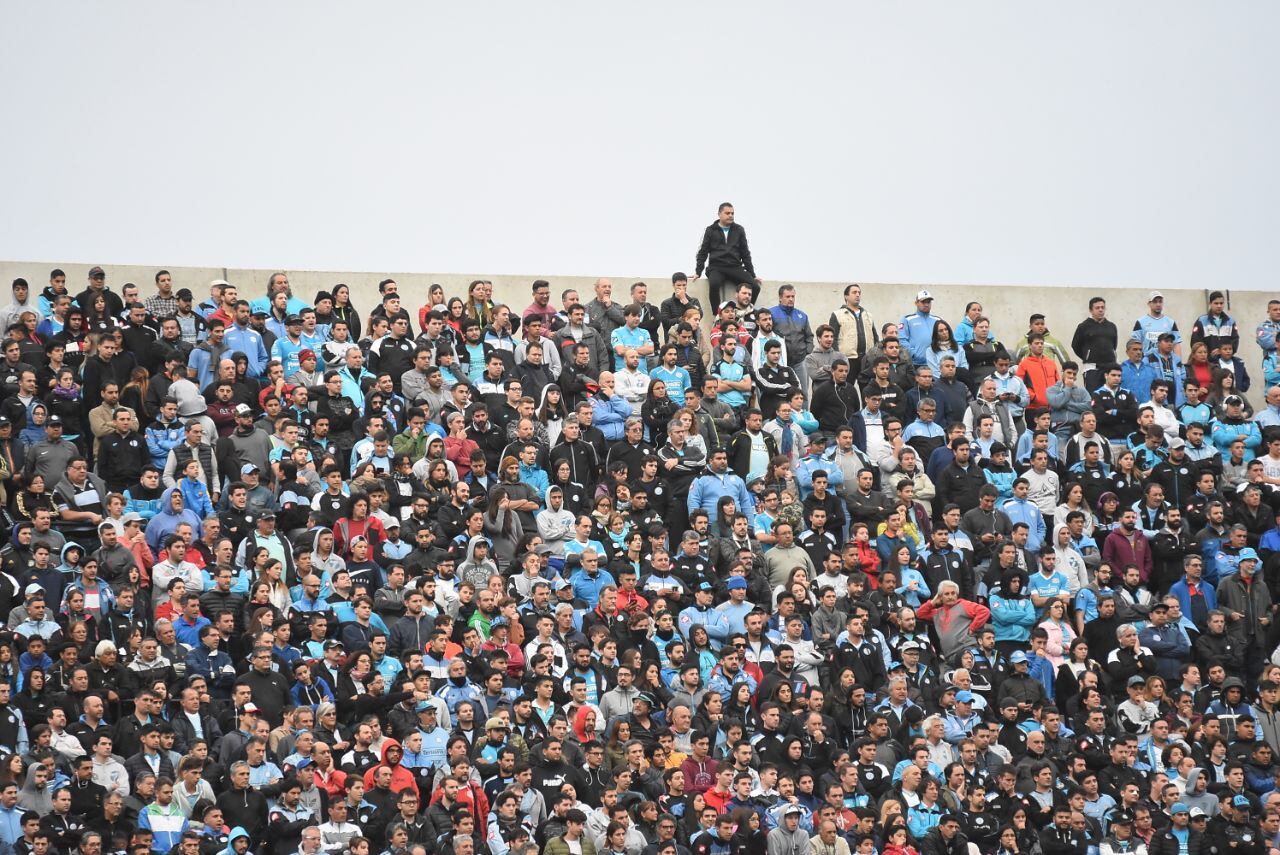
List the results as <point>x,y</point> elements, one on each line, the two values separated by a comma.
<point>1128,144</point>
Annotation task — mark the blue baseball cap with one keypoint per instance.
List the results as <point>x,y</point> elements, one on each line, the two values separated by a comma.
<point>1242,802</point>
<point>964,696</point>
<point>1018,658</point>
<point>1179,807</point>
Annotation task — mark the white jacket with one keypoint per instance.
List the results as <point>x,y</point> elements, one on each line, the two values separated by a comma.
<point>111,775</point>
<point>631,386</point>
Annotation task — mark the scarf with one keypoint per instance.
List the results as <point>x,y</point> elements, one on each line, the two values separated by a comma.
<point>784,444</point>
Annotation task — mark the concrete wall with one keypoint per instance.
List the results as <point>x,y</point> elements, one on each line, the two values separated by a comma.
<point>1007,306</point>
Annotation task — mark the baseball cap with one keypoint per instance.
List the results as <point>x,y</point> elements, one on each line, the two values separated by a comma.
<point>1242,802</point>
<point>1154,295</point>
<point>705,586</point>
<point>303,763</point>
<point>818,438</point>
<point>248,467</point>
<point>1234,400</point>
<point>560,583</point>
<point>495,723</point>
<point>647,698</point>
<point>923,295</point>
<point>53,421</point>
<point>425,706</point>
<point>1135,680</point>
<point>132,516</point>
<point>96,272</point>
<point>5,422</point>
<point>292,319</point>
<point>964,696</point>
<point>1198,813</point>
<point>265,515</point>
<point>910,645</point>
<point>250,708</point>
<point>32,590</point>
<point>184,294</point>
<point>1177,442</point>
<point>1122,817</point>
<point>793,810</point>
<point>259,313</point>
<point>333,645</point>
<point>244,410</point>
<point>1248,554</point>
<point>1179,807</point>
<point>1018,657</point>
<point>736,583</point>
<point>497,622</point>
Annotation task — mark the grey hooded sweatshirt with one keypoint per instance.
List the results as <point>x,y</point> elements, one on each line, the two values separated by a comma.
<point>36,798</point>
<point>1197,796</point>
<point>783,842</point>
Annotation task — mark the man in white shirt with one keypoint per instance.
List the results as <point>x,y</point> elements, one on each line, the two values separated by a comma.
<point>1165,418</point>
<point>630,382</point>
<point>765,333</point>
<point>66,745</point>
<point>1271,462</point>
<point>1042,483</point>
<point>174,567</point>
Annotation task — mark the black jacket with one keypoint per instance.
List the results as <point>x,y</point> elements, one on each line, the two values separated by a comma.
<point>740,452</point>
<point>1095,341</point>
<point>270,693</point>
<point>721,251</point>
<point>1164,843</point>
<point>1055,841</point>
<point>584,465</point>
<point>122,457</point>
<point>246,808</point>
<point>185,733</point>
<point>1117,411</point>
<point>935,844</point>
<point>960,486</point>
<point>835,405</point>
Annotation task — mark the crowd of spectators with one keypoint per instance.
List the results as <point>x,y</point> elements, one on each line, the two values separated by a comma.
<point>605,577</point>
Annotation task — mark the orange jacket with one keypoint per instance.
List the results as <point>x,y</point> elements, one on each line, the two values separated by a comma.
<point>1038,373</point>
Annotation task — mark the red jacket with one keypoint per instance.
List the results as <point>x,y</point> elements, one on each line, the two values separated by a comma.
<point>401,778</point>
<point>1118,551</point>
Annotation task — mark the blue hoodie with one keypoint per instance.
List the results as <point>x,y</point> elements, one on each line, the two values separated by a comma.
<point>238,831</point>
<point>536,477</point>
<point>196,497</point>
<point>165,522</point>
<point>163,438</point>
